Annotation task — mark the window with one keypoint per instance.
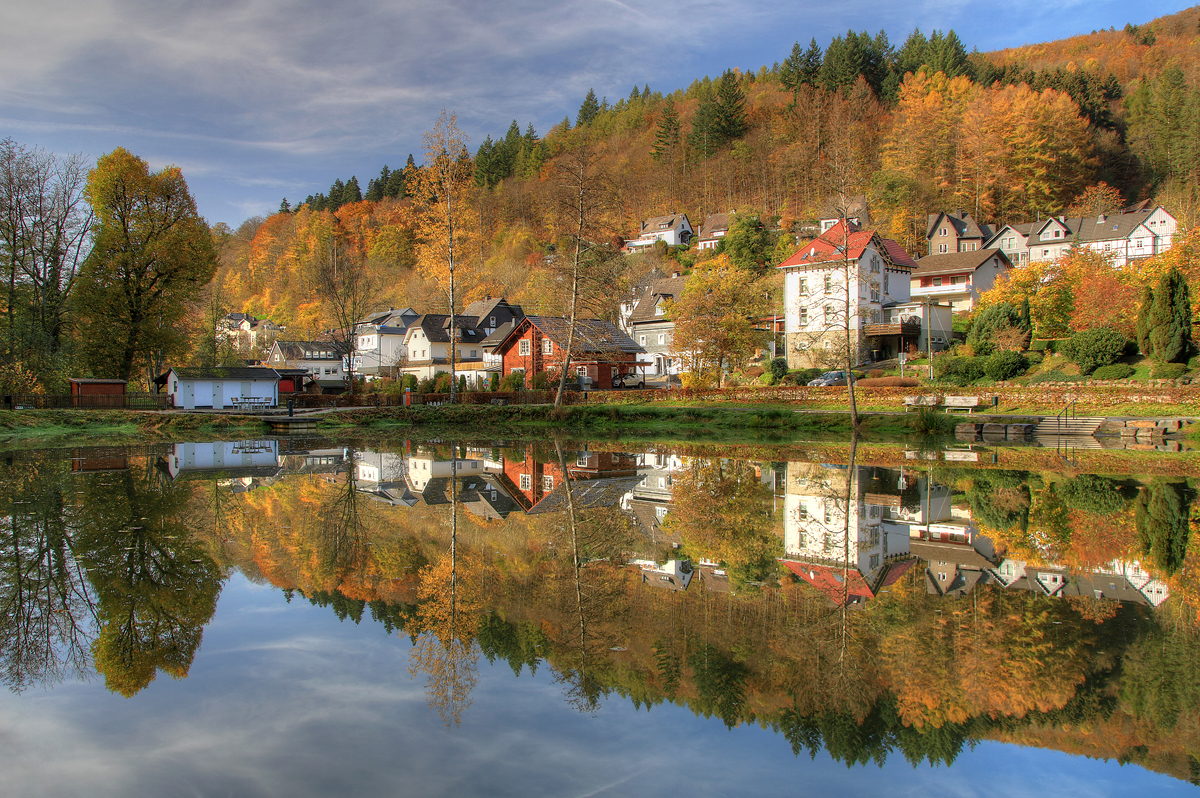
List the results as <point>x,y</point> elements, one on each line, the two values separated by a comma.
<point>1045,253</point>
<point>662,482</point>
<point>642,340</point>
<point>802,512</point>
<point>660,512</point>
<point>658,308</point>
<point>524,347</point>
<point>491,321</point>
<point>474,353</point>
<point>942,249</point>
<point>526,482</point>
<point>830,313</point>
<point>942,232</point>
<point>803,317</point>
<point>885,283</point>
<point>803,286</point>
<point>1058,233</point>
<point>829,283</point>
<point>937,282</point>
<point>960,280</point>
<point>662,339</point>
<point>547,346</point>
<point>582,460</point>
<point>874,294</point>
<point>547,483</point>
<point>874,264</point>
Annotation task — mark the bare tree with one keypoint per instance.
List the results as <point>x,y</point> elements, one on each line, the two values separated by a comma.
<point>585,192</point>
<point>348,291</point>
<point>449,221</point>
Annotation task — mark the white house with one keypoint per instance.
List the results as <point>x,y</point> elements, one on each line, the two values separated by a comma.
<point>673,230</point>
<point>219,388</point>
<point>816,307</point>
<point>379,345</point>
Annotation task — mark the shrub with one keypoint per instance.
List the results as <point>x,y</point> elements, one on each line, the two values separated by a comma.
<point>754,372</point>
<point>462,384</point>
<point>875,374</point>
<point>778,367</point>
<point>1034,358</point>
<point>1091,349</point>
<point>1005,365</point>
<point>992,321</point>
<point>931,421</point>
<point>693,379</point>
<point>889,382</point>
<point>1116,371</point>
<point>515,381</point>
<point>1169,371</point>
<point>426,385</point>
<point>960,371</point>
<point>1094,494</point>
<point>1054,376</point>
<point>540,381</point>
<point>494,382</point>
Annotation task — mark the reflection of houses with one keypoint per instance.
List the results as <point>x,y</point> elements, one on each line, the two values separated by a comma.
<point>598,479</point>
<point>1123,581</point>
<point>650,500</point>
<point>839,530</point>
<point>314,461</point>
<point>232,460</point>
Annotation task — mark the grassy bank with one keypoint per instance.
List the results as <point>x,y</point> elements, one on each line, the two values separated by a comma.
<point>28,427</point>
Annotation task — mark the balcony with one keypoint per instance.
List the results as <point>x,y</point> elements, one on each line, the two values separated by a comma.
<point>941,290</point>
<point>907,328</point>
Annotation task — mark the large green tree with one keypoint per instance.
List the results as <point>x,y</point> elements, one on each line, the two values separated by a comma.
<point>152,253</point>
<point>1171,319</point>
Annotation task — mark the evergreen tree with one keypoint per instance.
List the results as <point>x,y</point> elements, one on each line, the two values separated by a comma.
<point>791,71</point>
<point>483,164</point>
<point>351,193</point>
<point>1171,319</point>
<point>284,206</point>
<point>1161,515</point>
<point>588,111</point>
<point>704,140</point>
<point>1143,322</point>
<point>947,55</point>
<point>667,136</point>
<point>334,199</point>
<point>376,187</point>
<point>749,244</point>
<point>396,182</point>
<point>730,109</point>
<point>810,65</point>
<point>635,95</point>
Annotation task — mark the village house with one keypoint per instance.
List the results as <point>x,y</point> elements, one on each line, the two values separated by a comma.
<point>816,308</point>
<point>948,233</point>
<point>428,348</point>
<point>537,344</point>
<point>246,333</point>
<point>651,328</point>
<point>1123,237</point>
<point>379,345</point>
<point>958,278</point>
<point>674,229</point>
<point>715,228</point>
<point>319,358</point>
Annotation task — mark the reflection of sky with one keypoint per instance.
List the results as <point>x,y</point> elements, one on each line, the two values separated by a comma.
<point>286,700</point>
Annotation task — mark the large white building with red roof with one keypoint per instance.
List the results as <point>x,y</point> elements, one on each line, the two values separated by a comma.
<point>851,278</point>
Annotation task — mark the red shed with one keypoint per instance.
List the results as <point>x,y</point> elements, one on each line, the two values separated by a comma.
<point>87,392</point>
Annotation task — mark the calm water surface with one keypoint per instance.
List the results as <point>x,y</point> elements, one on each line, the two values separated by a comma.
<point>311,617</point>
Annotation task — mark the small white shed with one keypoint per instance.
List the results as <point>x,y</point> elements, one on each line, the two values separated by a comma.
<point>219,388</point>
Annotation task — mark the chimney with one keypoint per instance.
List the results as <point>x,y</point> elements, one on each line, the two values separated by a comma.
<point>1100,219</point>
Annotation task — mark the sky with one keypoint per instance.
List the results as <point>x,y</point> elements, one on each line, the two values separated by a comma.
<point>285,700</point>
<point>256,100</point>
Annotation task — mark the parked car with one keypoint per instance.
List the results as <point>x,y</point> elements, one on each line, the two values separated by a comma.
<point>829,378</point>
<point>630,380</point>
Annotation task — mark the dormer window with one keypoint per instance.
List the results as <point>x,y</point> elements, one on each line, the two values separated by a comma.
<point>658,309</point>
<point>492,321</point>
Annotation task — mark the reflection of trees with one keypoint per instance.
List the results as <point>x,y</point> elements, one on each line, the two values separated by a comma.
<point>341,537</point>
<point>590,592</point>
<point>46,606</point>
<point>155,588</point>
<point>447,622</point>
<point>1162,515</point>
<point>720,511</point>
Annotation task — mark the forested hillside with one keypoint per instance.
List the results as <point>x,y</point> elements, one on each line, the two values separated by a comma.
<point>913,128</point>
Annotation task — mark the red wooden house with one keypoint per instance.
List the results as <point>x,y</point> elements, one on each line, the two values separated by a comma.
<point>538,344</point>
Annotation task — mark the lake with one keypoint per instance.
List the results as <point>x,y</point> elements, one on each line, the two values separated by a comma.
<point>310,617</point>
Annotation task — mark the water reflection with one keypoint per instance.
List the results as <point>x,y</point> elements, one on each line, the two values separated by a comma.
<point>853,599</point>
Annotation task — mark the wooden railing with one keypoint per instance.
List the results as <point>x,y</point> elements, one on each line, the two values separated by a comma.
<point>128,401</point>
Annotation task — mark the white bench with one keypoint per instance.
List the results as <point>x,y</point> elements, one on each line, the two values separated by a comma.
<point>921,401</point>
<point>968,403</point>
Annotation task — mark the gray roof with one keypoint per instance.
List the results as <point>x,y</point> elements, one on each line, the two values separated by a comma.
<point>670,287</point>
<point>1087,229</point>
<point>668,222</point>
<point>591,335</point>
<point>304,350</point>
<point>224,373</point>
<point>954,262</point>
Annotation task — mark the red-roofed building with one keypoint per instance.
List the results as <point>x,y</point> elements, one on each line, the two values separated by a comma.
<point>847,277</point>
